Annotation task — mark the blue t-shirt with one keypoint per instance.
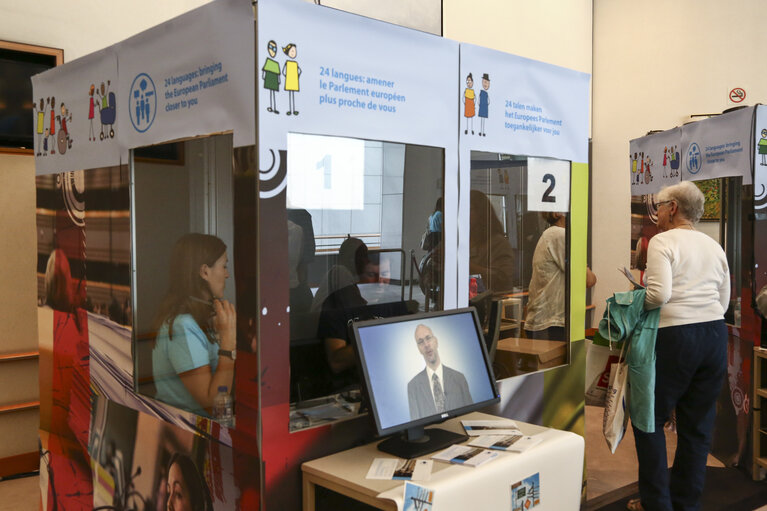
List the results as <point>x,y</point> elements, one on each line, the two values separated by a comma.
<point>435,222</point>
<point>189,349</point>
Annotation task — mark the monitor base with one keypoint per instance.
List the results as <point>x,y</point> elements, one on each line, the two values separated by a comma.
<point>431,441</point>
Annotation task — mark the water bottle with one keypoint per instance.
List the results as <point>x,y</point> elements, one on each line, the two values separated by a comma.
<point>223,407</point>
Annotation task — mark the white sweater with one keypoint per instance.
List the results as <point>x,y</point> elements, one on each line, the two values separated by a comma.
<point>687,275</point>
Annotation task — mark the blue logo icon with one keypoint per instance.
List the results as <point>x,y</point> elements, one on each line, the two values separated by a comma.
<point>694,159</point>
<point>143,102</point>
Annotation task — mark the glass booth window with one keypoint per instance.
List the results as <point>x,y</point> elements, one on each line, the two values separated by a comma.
<point>365,221</point>
<point>183,281</point>
<point>518,259</point>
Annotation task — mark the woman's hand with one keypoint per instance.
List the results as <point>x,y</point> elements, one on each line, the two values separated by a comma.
<point>225,324</point>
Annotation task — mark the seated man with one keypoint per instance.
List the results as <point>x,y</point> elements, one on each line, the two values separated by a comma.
<point>437,388</point>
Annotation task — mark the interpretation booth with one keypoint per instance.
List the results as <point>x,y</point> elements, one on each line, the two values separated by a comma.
<point>726,155</point>
<point>257,225</point>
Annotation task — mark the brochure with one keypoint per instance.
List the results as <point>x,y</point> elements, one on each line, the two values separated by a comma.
<point>491,427</point>
<point>418,498</point>
<point>627,273</point>
<point>526,494</point>
<point>513,443</point>
<point>393,468</point>
<point>465,455</point>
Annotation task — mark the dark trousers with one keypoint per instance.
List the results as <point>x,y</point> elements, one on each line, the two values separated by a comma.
<point>690,365</point>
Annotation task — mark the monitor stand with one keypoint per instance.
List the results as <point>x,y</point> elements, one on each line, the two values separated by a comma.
<point>416,442</point>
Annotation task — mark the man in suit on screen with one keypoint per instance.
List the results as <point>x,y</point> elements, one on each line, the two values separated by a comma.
<point>437,388</point>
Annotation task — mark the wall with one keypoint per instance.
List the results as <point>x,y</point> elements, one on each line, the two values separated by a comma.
<point>547,30</point>
<point>18,299</point>
<point>655,64</point>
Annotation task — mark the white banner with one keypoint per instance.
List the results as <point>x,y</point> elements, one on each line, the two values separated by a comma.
<point>760,158</point>
<point>190,76</point>
<point>513,105</point>
<point>718,147</point>
<point>75,108</point>
<point>520,106</point>
<point>326,72</point>
<point>655,161</point>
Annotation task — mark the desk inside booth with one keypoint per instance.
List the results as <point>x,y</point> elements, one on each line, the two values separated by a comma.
<point>558,460</point>
<point>519,355</point>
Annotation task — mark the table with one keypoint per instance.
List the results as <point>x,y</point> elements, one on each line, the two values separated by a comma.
<point>558,459</point>
<point>519,355</point>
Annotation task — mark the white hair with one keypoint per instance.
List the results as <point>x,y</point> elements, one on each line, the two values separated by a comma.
<point>688,197</point>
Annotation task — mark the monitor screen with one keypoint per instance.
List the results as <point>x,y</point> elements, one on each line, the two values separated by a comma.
<point>424,368</point>
<point>16,111</point>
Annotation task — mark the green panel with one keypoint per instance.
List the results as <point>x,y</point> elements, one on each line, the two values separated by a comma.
<point>563,395</point>
<point>579,204</point>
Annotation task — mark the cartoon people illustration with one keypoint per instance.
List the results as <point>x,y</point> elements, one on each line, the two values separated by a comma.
<point>484,101</point>
<point>52,129</point>
<point>468,104</point>
<point>763,147</point>
<point>633,167</point>
<point>270,74</point>
<point>665,160</point>
<point>91,111</point>
<point>106,111</point>
<point>107,104</point>
<point>64,141</point>
<point>674,155</point>
<point>292,72</point>
<point>640,174</point>
<point>45,143</point>
<point>39,124</point>
<point>648,173</point>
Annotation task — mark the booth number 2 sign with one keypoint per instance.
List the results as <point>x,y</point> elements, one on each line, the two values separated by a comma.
<point>548,185</point>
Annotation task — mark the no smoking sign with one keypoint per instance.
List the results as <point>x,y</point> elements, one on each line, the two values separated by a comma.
<point>737,95</point>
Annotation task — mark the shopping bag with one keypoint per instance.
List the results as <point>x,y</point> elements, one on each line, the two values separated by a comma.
<point>599,360</point>
<point>616,414</point>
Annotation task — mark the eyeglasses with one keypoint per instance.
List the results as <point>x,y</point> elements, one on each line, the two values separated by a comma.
<point>658,204</point>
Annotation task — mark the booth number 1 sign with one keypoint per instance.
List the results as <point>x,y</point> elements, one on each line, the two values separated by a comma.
<point>548,185</point>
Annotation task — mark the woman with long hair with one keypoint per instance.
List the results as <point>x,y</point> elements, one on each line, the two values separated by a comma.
<point>186,489</point>
<point>195,346</point>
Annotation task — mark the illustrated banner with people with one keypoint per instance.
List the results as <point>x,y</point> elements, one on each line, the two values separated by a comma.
<point>190,76</point>
<point>75,115</point>
<point>331,73</point>
<point>712,148</point>
<point>718,147</point>
<point>515,106</point>
<point>169,86</point>
<point>522,106</point>
<point>655,161</point>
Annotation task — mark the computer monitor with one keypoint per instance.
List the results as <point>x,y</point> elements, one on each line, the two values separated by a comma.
<point>398,358</point>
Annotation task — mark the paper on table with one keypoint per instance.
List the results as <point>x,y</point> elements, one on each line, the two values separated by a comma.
<point>514,443</point>
<point>394,468</point>
<point>465,455</point>
<point>491,427</point>
<point>383,468</point>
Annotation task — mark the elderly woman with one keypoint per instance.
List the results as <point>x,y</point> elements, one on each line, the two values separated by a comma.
<point>688,278</point>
